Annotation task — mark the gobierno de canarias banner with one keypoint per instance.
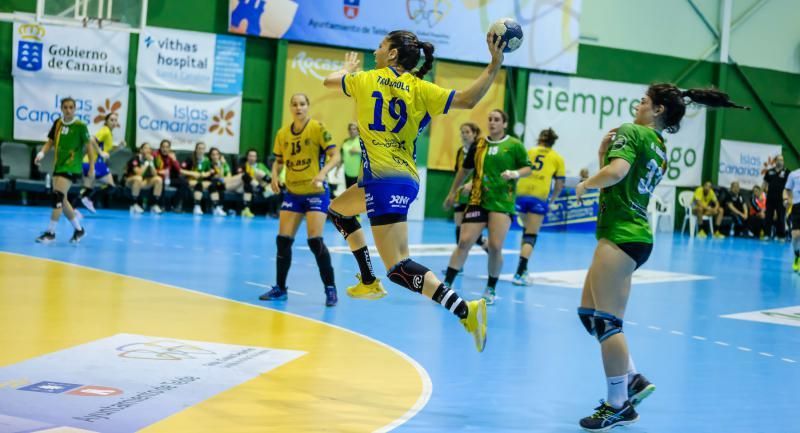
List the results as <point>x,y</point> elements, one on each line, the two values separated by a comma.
<point>445,138</point>
<point>186,118</point>
<point>37,104</point>
<point>306,68</point>
<point>582,110</point>
<point>457,28</point>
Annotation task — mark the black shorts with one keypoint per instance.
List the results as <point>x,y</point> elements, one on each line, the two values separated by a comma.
<point>638,251</point>
<point>794,217</point>
<point>460,207</point>
<point>73,177</point>
<point>477,214</point>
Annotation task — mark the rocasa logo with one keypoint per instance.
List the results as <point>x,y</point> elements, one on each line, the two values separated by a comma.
<point>29,48</point>
<point>223,123</point>
<point>107,109</point>
<point>316,67</point>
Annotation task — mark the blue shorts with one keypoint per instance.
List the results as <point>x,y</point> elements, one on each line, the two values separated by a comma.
<point>534,205</point>
<point>306,203</point>
<point>387,198</point>
<point>100,169</point>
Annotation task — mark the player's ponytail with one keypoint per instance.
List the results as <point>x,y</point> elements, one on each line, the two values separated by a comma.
<point>427,49</point>
<point>674,101</point>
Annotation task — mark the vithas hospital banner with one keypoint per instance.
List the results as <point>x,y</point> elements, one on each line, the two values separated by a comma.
<point>457,28</point>
<point>192,61</point>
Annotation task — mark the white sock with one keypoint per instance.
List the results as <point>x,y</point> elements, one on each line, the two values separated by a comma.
<point>631,368</point>
<point>52,226</point>
<point>617,391</point>
<point>76,224</point>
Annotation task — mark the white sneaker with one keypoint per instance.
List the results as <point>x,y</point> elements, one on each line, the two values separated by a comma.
<point>136,209</point>
<point>218,211</point>
<point>197,210</point>
<point>88,204</point>
<point>156,209</point>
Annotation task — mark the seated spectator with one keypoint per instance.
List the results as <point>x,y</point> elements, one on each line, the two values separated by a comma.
<point>735,210</point>
<point>706,204</point>
<point>758,213</point>
<point>141,174</point>
<point>191,169</point>
<point>170,171</point>
<point>253,177</point>
<point>216,171</point>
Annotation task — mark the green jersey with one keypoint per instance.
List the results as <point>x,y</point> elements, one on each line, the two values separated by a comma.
<point>222,169</point>
<point>490,159</point>
<point>256,170</point>
<point>463,197</point>
<point>352,162</point>
<point>70,140</point>
<point>623,207</point>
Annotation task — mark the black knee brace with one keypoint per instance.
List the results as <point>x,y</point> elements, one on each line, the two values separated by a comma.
<point>247,183</point>
<point>606,325</point>
<point>587,319</point>
<point>323,258</point>
<point>408,274</point>
<point>284,245</point>
<point>345,225</point>
<point>217,185</point>
<point>57,198</point>
<point>198,187</point>
<point>530,239</point>
<point>317,246</point>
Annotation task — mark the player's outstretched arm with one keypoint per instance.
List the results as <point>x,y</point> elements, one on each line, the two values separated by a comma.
<point>351,64</point>
<point>470,97</point>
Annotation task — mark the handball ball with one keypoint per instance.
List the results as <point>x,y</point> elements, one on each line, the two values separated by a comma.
<point>509,31</point>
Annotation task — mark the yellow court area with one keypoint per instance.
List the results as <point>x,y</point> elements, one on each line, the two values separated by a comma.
<point>344,381</point>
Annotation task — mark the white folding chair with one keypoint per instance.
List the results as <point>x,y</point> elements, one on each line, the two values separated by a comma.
<point>685,199</point>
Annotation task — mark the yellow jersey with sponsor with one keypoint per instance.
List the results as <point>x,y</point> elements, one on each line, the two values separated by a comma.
<point>547,165</point>
<point>104,139</point>
<point>393,109</point>
<point>303,155</point>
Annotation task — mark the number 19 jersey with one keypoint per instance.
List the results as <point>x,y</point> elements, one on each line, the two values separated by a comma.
<point>623,207</point>
<point>392,110</point>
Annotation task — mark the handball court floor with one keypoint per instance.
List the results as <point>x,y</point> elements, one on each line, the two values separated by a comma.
<point>154,323</point>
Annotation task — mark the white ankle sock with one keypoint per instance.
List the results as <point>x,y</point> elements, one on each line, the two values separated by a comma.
<point>631,368</point>
<point>617,390</point>
<point>76,224</point>
<point>52,226</point>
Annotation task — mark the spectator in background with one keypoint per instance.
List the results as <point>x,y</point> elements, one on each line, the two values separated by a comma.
<point>170,171</point>
<point>191,169</point>
<point>140,174</point>
<point>774,184</point>
<point>254,176</point>
<point>792,196</point>
<point>584,174</point>
<point>735,207</point>
<point>351,155</point>
<point>706,204</point>
<point>216,171</point>
<point>758,212</point>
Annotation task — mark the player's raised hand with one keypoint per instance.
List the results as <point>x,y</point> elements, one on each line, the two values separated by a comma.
<point>351,63</point>
<point>607,140</point>
<point>496,46</point>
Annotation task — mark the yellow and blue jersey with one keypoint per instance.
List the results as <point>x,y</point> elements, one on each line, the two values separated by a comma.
<point>303,155</point>
<point>547,165</point>
<point>392,110</point>
<point>105,140</point>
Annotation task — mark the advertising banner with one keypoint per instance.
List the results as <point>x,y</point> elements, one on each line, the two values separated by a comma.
<point>745,162</point>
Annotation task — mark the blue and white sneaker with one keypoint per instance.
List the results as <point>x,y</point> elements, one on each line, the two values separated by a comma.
<point>330,296</point>
<point>606,417</point>
<point>275,294</point>
<point>521,279</point>
<point>489,295</point>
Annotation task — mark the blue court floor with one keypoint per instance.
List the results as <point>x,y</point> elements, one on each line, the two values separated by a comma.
<point>540,371</point>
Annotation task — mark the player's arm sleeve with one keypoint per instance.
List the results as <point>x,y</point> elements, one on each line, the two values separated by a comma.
<point>52,134</point>
<point>325,138</point>
<point>350,82</point>
<point>437,100</point>
<point>277,148</point>
<point>469,160</point>
<point>85,136</point>
<point>521,158</point>
<point>624,144</point>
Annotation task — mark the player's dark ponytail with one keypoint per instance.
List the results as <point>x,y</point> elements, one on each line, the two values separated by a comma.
<point>427,49</point>
<point>408,47</point>
<point>674,102</point>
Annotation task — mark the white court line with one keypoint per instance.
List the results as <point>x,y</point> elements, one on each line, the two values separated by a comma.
<point>538,305</point>
<point>516,301</point>
<point>632,323</point>
<point>768,355</point>
<point>788,360</point>
<point>676,332</point>
<point>721,343</point>
<point>654,328</point>
<point>264,286</point>
<point>745,349</point>
<point>562,309</point>
<point>697,337</point>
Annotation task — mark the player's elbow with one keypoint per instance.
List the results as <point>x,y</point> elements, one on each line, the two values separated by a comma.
<point>463,100</point>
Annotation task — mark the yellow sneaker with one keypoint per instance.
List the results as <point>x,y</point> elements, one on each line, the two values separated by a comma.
<point>796,265</point>
<point>475,323</point>
<point>246,213</point>
<point>702,234</point>
<point>366,291</point>
<point>718,235</point>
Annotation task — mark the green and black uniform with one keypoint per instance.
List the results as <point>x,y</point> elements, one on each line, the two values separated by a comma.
<point>490,192</point>
<point>69,140</point>
<point>622,218</point>
<point>463,198</point>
